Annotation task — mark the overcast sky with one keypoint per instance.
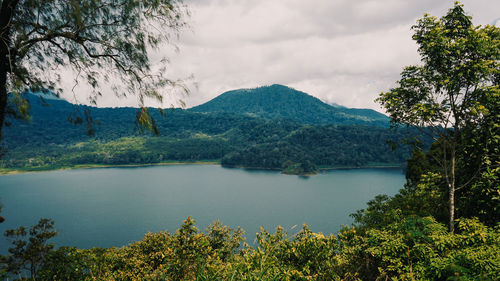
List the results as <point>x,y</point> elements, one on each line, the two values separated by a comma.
<point>340,51</point>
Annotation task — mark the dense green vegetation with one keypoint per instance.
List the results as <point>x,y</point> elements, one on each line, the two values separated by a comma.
<point>277,101</point>
<point>322,146</point>
<point>49,141</point>
<point>452,91</point>
<point>408,248</point>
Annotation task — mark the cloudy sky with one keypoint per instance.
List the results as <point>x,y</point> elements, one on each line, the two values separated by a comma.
<point>340,51</point>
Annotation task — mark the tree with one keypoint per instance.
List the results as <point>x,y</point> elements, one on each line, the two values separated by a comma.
<point>445,95</point>
<point>103,42</point>
<point>29,247</point>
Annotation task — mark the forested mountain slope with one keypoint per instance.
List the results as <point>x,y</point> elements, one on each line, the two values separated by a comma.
<point>278,101</point>
<point>50,141</point>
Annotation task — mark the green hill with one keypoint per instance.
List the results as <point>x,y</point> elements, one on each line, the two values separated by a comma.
<point>49,141</point>
<point>278,101</point>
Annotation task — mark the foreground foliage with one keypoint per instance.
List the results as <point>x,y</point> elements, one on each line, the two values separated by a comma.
<point>411,248</point>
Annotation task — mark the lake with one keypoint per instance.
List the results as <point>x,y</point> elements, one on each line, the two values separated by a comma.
<point>114,206</point>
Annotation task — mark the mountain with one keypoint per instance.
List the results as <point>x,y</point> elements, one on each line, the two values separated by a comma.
<point>49,123</point>
<point>278,101</point>
<point>49,141</point>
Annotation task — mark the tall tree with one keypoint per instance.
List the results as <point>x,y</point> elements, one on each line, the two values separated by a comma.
<point>445,94</point>
<point>101,42</point>
<point>29,247</point>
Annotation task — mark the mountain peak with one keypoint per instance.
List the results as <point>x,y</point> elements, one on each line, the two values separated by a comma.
<point>279,101</point>
<point>278,86</point>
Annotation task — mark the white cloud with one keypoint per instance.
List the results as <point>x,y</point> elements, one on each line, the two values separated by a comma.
<point>340,51</point>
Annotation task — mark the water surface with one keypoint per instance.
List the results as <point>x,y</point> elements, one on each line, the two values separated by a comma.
<point>114,206</point>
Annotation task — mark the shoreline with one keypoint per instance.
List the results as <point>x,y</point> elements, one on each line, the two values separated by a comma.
<point>6,172</point>
<point>360,167</point>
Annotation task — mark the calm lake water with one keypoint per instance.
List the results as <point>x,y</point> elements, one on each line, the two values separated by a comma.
<point>115,206</point>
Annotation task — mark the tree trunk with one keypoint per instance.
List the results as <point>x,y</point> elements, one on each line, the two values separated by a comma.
<point>451,187</point>
<point>7,12</point>
<point>3,96</point>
